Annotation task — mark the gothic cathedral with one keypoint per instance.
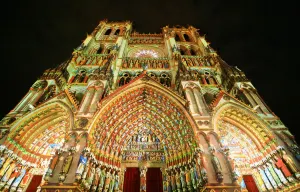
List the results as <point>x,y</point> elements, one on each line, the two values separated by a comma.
<point>145,112</point>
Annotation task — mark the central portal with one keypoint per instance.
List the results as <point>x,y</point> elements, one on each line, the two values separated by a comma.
<point>146,134</point>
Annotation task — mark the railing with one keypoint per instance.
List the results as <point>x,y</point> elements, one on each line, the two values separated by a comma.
<point>90,59</point>
<point>149,63</point>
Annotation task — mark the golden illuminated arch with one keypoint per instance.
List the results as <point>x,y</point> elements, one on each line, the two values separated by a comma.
<point>253,134</point>
<point>42,128</point>
<point>146,52</point>
<point>143,103</point>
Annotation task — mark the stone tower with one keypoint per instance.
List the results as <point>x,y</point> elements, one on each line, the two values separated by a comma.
<point>145,112</point>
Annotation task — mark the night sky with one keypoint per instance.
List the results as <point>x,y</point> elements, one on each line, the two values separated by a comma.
<point>255,36</point>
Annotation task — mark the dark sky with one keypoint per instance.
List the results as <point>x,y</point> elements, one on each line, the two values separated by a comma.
<point>255,36</point>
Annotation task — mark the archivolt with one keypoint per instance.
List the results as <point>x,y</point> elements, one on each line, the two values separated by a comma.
<point>248,122</point>
<point>143,105</point>
<point>30,134</point>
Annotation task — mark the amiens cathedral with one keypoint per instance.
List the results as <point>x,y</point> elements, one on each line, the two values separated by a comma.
<point>140,112</point>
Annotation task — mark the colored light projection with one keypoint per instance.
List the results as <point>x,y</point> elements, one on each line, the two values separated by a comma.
<point>137,110</point>
<point>50,140</point>
<point>242,149</point>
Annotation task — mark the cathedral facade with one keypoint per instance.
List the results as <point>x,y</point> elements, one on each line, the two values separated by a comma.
<point>145,112</point>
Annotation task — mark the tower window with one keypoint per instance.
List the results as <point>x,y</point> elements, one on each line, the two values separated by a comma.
<point>108,31</point>
<point>186,37</point>
<point>117,32</point>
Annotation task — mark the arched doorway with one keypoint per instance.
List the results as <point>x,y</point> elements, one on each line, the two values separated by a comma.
<point>32,142</point>
<point>146,127</point>
<point>251,146</point>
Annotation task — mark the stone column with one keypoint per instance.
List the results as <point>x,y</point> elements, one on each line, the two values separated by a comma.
<point>96,99</point>
<point>192,101</point>
<point>143,171</point>
<point>87,99</point>
<point>34,98</point>
<point>259,102</point>
<point>25,100</point>
<point>199,100</point>
<point>249,98</point>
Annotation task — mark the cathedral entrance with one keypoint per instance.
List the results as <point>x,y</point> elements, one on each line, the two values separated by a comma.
<point>154,180</point>
<point>150,130</point>
<point>132,180</point>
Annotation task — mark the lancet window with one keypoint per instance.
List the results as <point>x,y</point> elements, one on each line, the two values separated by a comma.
<point>117,32</point>
<point>177,37</point>
<point>107,32</point>
<point>186,37</point>
<point>126,77</point>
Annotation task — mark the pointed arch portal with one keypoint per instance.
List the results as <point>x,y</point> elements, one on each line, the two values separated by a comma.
<point>144,119</point>
<point>249,141</point>
<point>147,126</point>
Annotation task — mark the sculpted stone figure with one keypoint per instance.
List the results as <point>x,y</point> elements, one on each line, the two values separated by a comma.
<point>218,168</point>
<point>290,164</point>
<point>81,164</point>
<point>67,163</point>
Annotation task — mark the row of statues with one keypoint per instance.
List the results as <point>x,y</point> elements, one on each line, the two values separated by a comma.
<point>278,171</point>
<point>188,177</point>
<point>143,156</point>
<point>195,62</point>
<point>146,63</point>
<point>14,172</point>
<point>90,174</point>
<point>99,60</point>
<point>94,176</point>
<point>144,137</point>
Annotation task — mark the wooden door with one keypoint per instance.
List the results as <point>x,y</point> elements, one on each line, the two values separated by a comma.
<point>131,180</point>
<point>154,181</point>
